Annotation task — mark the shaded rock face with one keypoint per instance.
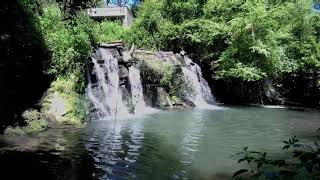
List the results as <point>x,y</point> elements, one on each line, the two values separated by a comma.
<point>182,74</point>
<point>271,93</point>
<point>23,62</point>
<point>157,97</point>
<point>150,94</point>
<point>163,99</point>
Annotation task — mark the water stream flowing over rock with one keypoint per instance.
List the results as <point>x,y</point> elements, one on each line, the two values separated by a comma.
<point>104,85</point>
<point>200,92</point>
<point>121,85</point>
<point>136,90</point>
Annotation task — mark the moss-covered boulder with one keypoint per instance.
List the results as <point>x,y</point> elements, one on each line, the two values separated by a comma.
<point>163,81</point>
<point>35,122</point>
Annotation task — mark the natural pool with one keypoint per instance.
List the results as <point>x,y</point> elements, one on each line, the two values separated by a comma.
<point>194,144</point>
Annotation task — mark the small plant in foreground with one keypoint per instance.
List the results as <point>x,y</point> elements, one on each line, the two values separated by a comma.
<point>303,159</point>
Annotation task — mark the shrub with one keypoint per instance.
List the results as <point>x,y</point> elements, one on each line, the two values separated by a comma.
<point>35,122</point>
<point>75,104</point>
<point>108,31</point>
<point>304,160</point>
<point>13,131</point>
<point>261,40</point>
<point>157,71</point>
<point>69,42</point>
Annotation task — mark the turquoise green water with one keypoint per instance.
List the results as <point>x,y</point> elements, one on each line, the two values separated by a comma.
<point>193,144</point>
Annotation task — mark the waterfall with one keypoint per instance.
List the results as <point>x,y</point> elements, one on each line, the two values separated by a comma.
<point>105,94</point>
<point>115,85</point>
<point>198,89</point>
<point>136,90</point>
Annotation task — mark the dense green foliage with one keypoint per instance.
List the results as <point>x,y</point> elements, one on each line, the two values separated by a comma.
<point>237,41</point>
<point>242,44</point>
<point>246,40</point>
<point>108,31</point>
<point>70,42</point>
<point>44,45</point>
<point>72,7</point>
<point>35,122</point>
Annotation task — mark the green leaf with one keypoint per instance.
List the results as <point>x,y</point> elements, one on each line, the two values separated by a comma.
<point>245,148</point>
<point>286,147</point>
<point>239,172</point>
<point>240,160</point>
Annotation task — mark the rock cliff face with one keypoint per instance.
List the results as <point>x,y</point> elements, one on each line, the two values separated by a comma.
<point>126,82</point>
<point>22,65</point>
<point>162,79</point>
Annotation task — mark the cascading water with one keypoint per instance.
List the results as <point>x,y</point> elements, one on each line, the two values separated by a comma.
<point>136,90</point>
<point>199,91</point>
<point>116,89</point>
<point>105,94</point>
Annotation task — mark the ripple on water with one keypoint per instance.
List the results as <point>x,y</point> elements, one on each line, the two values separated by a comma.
<point>177,145</point>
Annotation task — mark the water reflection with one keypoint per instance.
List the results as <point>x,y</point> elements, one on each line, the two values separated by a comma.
<point>168,145</point>
<point>137,153</point>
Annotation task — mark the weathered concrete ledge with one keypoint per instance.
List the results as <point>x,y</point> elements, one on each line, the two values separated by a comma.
<point>112,44</point>
<point>112,12</point>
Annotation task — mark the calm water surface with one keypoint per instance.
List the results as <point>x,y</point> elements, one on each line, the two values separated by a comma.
<point>166,145</point>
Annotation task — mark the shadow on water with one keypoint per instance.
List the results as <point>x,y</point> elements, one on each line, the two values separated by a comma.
<point>31,165</point>
<point>23,59</point>
<point>62,157</point>
<point>57,155</point>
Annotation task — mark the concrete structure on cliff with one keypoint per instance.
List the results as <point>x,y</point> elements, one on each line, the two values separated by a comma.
<point>108,12</point>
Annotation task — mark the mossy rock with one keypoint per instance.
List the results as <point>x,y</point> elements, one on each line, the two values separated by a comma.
<point>64,107</point>
<point>13,131</point>
<point>35,123</point>
<point>36,126</point>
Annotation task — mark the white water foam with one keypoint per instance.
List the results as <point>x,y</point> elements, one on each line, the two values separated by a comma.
<point>198,91</point>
